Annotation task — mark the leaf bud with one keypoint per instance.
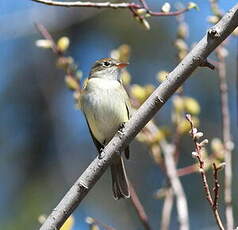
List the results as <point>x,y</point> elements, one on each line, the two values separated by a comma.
<point>63,44</point>
<point>166,7</point>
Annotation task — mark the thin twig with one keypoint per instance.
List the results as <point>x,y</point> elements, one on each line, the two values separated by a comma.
<point>182,207</point>
<point>172,13</point>
<point>122,5</point>
<point>187,170</point>
<point>194,167</point>
<point>94,221</point>
<point>139,208</point>
<point>167,209</point>
<point>144,4</point>
<point>45,34</point>
<point>89,4</point>
<point>216,184</point>
<point>226,134</point>
<point>204,181</point>
<point>66,61</point>
<point>169,196</point>
<point>140,118</point>
<point>197,154</point>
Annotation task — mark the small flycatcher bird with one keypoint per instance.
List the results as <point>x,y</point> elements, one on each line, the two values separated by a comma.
<point>106,107</point>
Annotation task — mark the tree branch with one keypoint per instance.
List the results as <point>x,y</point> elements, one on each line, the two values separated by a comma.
<point>66,63</point>
<point>216,184</point>
<point>139,208</point>
<point>167,209</point>
<point>182,207</point>
<point>45,34</point>
<point>89,4</point>
<point>226,134</point>
<point>157,99</point>
<point>226,130</point>
<point>93,222</point>
<point>213,203</point>
<point>124,5</point>
<point>197,154</point>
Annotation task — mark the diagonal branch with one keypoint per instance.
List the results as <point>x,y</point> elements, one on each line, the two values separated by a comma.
<point>175,79</point>
<point>44,32</point>
<point>139,208</point>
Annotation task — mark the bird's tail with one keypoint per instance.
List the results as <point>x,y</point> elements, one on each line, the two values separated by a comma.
<point>120,184</point>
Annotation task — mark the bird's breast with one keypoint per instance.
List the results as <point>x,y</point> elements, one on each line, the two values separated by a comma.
<point>104,106</point>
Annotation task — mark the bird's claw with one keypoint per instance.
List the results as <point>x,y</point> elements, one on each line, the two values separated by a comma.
<point>122,125</point>
<point>101,153</point>
<point>120,130</point>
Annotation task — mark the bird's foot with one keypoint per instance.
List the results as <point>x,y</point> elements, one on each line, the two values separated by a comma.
<point>120,130</point>
<point>101,153</point>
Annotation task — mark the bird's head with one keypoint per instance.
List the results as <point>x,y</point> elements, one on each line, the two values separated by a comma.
<point>107,68</point>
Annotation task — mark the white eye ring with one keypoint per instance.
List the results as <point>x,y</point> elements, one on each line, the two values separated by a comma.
<point>107,63</point>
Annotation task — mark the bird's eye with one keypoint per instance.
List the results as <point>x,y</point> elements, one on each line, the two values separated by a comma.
<point>107,63</point>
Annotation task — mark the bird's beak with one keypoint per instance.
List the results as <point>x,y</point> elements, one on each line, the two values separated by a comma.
<point>122,65</point>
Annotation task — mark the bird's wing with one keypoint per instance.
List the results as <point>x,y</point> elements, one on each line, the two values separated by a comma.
<point>127,102</point>
<point>98,145</point>
<point>78,100</point>
<point>128,108</point>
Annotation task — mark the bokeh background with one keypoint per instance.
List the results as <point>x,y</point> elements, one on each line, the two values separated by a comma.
<point>44,141</point>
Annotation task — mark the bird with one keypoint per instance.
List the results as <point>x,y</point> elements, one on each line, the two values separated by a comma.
<point>106,106</point>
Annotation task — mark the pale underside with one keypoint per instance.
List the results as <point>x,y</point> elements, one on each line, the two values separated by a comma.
<point>106,106</point>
